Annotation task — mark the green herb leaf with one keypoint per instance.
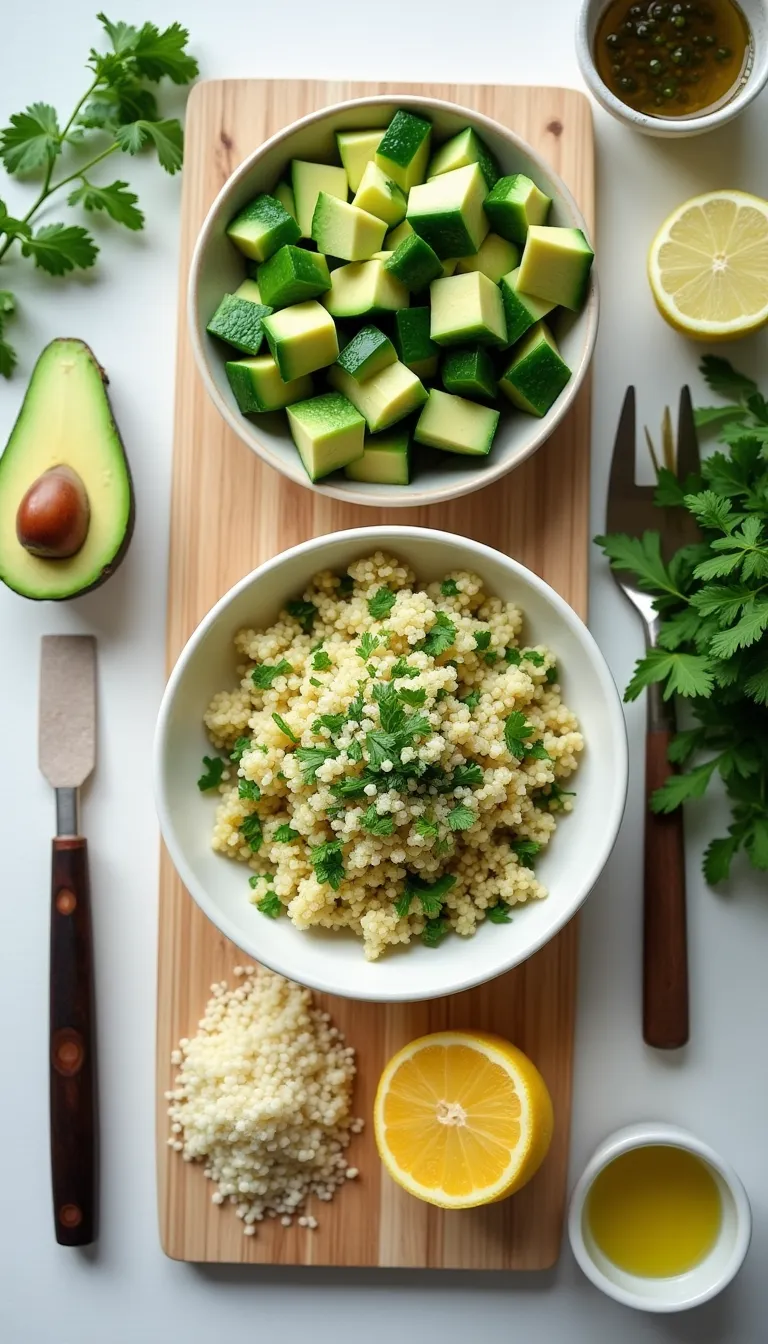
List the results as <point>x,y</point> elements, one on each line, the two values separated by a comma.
<point>706,416</point>
<point>756,843</point>
<point>752,625</point>
<point>251,830</point>
<point>283,726</point>
<point>553,674</point>
<point>413,698</point>
<point>303,612</point>
<point>116,200</point>
<point>31,140</point>
<point>212,774</point>
<point>375,824</point>
<point>468,775</point>
<point>640,556</point>
<point>328,863</point>
<point>403,903</point>
<point>242,744</point>
<point>380,605</point>
<point>166,136</point>
<point>59,248</point>
<point>321,661</point>
<point>314,682</point>
<point>526,851</point>
<point>471,701</point>
<point>441,636</point>
<point>516,732</point>
<point>264,674</point>
<point>285,834</point>
<point>499,913</point>
<point>552,796</point>
<point>686,674</point>
<point>346,584</point>
<point>249,790</point>
<point>354,751</point>
<point>461,817</point>
<point>537,752</point>
<point>482,639</point>
<point>368,643</point>
<point>723,379</point>
<point>333,722</point>
<point>403,669</point>
<point>423,826</point>
<point>434,932</point>
<point>449,588</point>
<point>678,789</point>
<point>312,758</point>
<point>270,905</point>
<point>391,713</point>
<point>157,53</point>
<point>512,656</point>
<point>718,858</point>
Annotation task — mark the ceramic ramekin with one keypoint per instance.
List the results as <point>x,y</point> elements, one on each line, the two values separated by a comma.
<point>681,1291</point>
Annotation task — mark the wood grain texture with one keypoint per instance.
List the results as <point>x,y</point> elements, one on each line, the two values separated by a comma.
<point>665,939</point>
<point>229,513</point>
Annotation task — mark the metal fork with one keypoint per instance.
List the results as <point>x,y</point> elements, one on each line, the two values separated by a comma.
<point>630,509</point>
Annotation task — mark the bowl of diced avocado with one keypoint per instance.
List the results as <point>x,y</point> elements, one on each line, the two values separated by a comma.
<point>393,301</point>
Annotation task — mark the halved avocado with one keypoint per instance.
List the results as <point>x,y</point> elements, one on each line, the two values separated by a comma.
<point>66,496</point>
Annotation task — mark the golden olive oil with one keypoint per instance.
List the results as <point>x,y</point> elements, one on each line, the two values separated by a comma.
<point>655,1211</point>
<point>673,60</point>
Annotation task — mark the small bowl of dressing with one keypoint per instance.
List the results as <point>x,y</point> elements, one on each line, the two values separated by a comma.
<point>674,69</point>
<point>658,1220</point>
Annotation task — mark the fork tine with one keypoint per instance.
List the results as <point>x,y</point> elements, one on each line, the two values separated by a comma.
<point>688,459</point>
<point>622,475</point>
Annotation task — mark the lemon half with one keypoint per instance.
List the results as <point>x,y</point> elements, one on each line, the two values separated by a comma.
<point>462,1119</point>
<point>708,266</point>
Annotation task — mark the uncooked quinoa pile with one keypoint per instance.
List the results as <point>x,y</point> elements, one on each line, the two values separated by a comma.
<point>263,1098</point>
<point>396,757</point>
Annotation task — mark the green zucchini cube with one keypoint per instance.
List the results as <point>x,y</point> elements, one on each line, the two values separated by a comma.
<point>461,150</point>
<point>404,150</point>
<point>469,373</point>
<point>386,459</point>
<point>328,432</point>
<point>537,374</point>
<point>380,196</point>
<point>364,289</point>
<point>467,309</point>
<point>368,352</point>
<point>521,310</point>
<point>555,265</point>
<point>413,343</point>
<point>262,227</point>
<point>396,236</point>
<point>293,275</point>
<point>302,338</point>
<point>456,425</point>
<point>387,397</point>
<point>414,263</point>
<point>345,230</point>
<point>496,257</point>
<point>308,180</point>
<point>356,151</point>
<point>283,193</point>
<point>240,323</point>
<point>257,385</point>
<point>447,212</point>
<point>515,203</point>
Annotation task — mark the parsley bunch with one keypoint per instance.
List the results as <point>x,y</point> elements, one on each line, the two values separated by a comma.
<point>712,600</point>
<point>118,111</point>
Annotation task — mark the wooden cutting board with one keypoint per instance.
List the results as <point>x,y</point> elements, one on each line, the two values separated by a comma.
<point>229,513</point>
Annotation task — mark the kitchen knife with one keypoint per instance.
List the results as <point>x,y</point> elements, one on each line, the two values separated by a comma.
<point>67,752</point>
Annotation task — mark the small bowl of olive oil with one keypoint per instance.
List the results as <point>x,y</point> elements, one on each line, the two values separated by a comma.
<point>674,67</point>
<point>658,1221</point>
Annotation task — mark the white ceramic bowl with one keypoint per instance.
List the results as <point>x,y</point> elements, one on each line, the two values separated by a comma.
<point>217,267</point>
<point>672,128</point>
<point>334,961</point>
<point>682,1291</point>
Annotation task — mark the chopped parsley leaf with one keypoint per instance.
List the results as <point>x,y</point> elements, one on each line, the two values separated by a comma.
<point>413,698</point>
<point>482,639</point>
<point>435,931</point>
<point>431,895</point>
<point>526,851</point>
<point>403,669</point>
<point>516,730</point>
<point>250,829</point>
<point>441,695</point>
<point>333,722</point>
<point>512,656</point>
<point>263,675</point>
<point>312,758</point>
<point>211,776</point>
<point>533,656</point>
<point>499,913</point>
<point>552,673</point>
<point>314,682</point>
<point>392,716</point>
<point>351,786</point>
<point>328,864</point>
<point>270,905</point>
<point>248,789</point>
<point>285,834</point>
<point>461,817</point>
<point>346,584</point>
<point>354,751</point>
<point>368,643</point>
<point>425,827</point>
<point>552,795</point>
<point>242,744</point>
<point>449,588</point>
<point>303,612</point>
<point>255,879</point>
<point>381,747</point>
<point>472,700</point>
<point>537,752</point>
<point>468,774</point>
<point>380,605</point>
<point>491,658</point>
<point>444,846</point>
<point>283,726</point>
<point>320,661</point>
<point>441,636</point>
<point>403,903</point>
<point>370,669</point>
<point>376,824</point>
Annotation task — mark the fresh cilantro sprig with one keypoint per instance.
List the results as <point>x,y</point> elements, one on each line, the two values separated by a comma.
<point>380,605</point>
<point>212,773</point>
<point>712,602</point>
<point>440,637</point>
<point>264,674</point>
<point>270,905</point>
<point>117,113</point>
<point>328,863</point>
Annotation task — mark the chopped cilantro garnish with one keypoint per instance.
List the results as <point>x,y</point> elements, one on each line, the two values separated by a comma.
<point>380,605</point>
<point>270,905</point>
<point>328,864</point>
<point>552,795</point>
<point>314,682</point>
<point>250,829</point>
<point>283,726</point>
<point>472,700</point>
<point>468,774</point>
<point>346,584</point>
<point>354,751</point>
<point>320,661</point>
<point>526,851</point>
<point>351,786</point>
<point>312,758</point>
<point>403,669</point>
<point>376,824</point>
<point>512,656</point>
<point>403,903</point>
<point>490,658</point>
<point>499,913</point>
<point>211,776</point>
<point>449,588</point>
<point>516,730</point>
<point>482,639</point>
<point>461,817</point>
<point>414,698</point>
<point>431,895</point>
<point>248,789</point>
<point>255,879</point>
<point>434,932</point>
<point>381,747</point>
<point>368,643</point>
<point>303,612</point>
<point>285,834</point>
<point>443,846</point>
<point>370,669</point>
<point>392,716</point>
<point>533,656</point>
<point>441,636</point>
<point>537,752</point>
<point>441,695</point>
<point>552,673</point>
<point>242,744</point>
<point>426,827</point>
<point>263,675</point>
<point>333,722</point>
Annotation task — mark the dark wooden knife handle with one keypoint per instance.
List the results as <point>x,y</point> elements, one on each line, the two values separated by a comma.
<point>72,1046</point>
<point>665,950</point>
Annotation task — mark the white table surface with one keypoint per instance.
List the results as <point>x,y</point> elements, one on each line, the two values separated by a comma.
<point>124,1290</point>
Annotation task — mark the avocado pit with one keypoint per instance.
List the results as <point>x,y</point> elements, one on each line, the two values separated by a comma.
<point>53,517</point>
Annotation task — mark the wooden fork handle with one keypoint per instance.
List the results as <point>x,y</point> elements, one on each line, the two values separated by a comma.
<point>72,1046</point>
<point>665,950</point>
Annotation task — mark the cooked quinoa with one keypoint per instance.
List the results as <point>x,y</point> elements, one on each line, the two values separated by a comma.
<point>397,756</point>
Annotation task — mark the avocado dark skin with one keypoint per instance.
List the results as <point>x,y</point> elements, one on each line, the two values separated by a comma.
<point>66,494</point>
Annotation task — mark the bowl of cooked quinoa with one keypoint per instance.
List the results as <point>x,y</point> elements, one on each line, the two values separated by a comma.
<point>390,763</point>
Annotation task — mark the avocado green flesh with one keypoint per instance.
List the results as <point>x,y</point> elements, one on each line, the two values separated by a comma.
<point>66,420</point>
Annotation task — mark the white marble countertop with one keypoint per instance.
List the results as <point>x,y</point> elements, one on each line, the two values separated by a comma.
<point>125,1290</point>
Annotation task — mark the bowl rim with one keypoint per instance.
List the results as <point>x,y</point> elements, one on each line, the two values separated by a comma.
<point>247,432</point>
<point>384,534</point>
<point>673,127</point>
<point>649,1134</point>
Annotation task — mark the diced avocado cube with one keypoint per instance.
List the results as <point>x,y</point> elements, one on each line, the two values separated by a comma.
<point>302,338</point>
<point>380,196</point>
<point>249,290</point>
<point>364,289</point>
<point>283,193</point>
<point>262,227</point>
<point>414,263</point>
<point>308,180</point>
<point>456,425</point>
<point>449,265</point>
<point>555,265</point>
<point>257,385</point>
<point>293,275</point>
<point>386,459</point>
<point>239,322</point>
<point>462,149</point>
<point>396,236</point>
<point>381,256</point>
<point>345,230</point>
<point>515,203</point>
<point>356,151</point>
<point>447,212</point>
<point>521,310</point>
<point>467,308</point>
<point>404,150</point>
<point>328,432</point>
<point>387,397</point>
<point>496,257</point>
<point>368,352</point>
<point>413,343</point>
<point>469,373</point>
<point>537,374</point>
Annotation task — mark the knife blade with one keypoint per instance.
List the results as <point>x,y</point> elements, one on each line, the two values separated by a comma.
<point>67,754</point>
